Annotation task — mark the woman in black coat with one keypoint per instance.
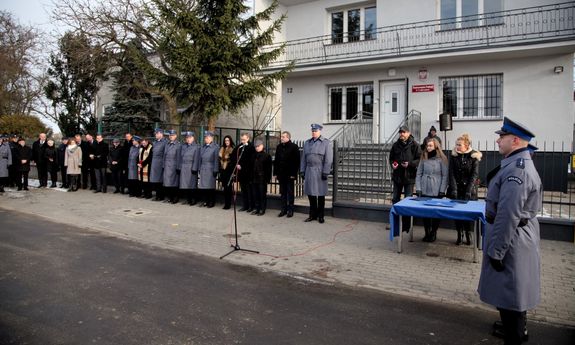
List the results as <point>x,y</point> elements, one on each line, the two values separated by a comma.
<point>226,169</point>
<point>22,160</point>
<point>463,178</point>
<point>51,158</point>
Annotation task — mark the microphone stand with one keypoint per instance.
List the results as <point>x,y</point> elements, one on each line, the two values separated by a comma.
<point>233,177</point>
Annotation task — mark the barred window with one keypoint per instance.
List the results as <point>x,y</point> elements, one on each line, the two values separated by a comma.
<point>472,97</point>
<point>345,102</point>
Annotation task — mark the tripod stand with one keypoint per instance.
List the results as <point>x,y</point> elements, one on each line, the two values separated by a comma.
<point>233,179</point>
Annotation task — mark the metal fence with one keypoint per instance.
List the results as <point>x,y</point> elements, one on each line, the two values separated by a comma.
<point>362,176</point>
<point>532,25</point>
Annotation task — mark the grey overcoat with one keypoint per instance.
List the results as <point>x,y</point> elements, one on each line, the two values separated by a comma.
<point>316,161</point>
<point>172,164</point>
<point>432,176</point>
<point>190,158</point>
<point>511,205</point>
<point>133,159</point>
<point>5,159</point>
<point>157,166</point>
<point>209,165</point>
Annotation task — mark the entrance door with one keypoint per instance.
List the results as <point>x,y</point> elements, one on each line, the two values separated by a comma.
<point>392,107</point>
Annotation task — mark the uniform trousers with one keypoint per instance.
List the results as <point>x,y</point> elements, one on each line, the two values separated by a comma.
<point>146,189</point>
<point>134,188</point>
<point>172,193</point>
<point>287,194</point>
<point>209,196</point>
<point>316,206</point>
<point>191,196</point>
<point>513,325</point>
<point>159,190</point>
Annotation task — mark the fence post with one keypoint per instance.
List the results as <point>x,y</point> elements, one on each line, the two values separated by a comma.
<point>156,125</point>
<point>267,140</point>
<point>335,166</point>
<point>201,142</point>
<point>99,127</point>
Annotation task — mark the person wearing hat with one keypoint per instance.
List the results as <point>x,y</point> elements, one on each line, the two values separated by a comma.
<point>172,164</point>
<point>157,167</point>
<point>209,168</point>
<point>404,159</point>
<point>61,157</point>
<point>510,271</point>
<point>126,148</point>
<point>315,167</point>
<point>12,173</point>
<point>134,188</point>
<point>190,165</point>
<point>115,163</point>
<point>432,134</point>
<point>73,163</point>
<point>286,166</point>
<point>262,175</point>
<point>145,160</point>
<point>243,161</point>
<point>5,161</point>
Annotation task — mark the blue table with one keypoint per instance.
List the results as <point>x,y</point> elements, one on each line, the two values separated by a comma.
<point>436,208</point>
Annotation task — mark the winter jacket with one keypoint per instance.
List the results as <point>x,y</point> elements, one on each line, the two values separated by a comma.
<point>23,153</point>
<point>432,176</point>
<point>464,174</point>
<point>287,161</point>
<point>405,151</point>
<point>262,172</point>
<point>51,158</point>
<point>73,160</point>
<point>100,151</point>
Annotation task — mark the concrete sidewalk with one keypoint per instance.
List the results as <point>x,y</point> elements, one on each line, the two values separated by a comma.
<point>354,253</point>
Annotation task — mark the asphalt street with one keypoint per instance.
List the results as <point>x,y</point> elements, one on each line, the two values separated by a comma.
<point>61,284</point>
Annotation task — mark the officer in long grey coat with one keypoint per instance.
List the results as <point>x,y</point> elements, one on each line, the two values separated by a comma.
<point>157,166</point>
<point>5,161</point>
<point>315,167</point>
<point>209,168</point>
<point>133,160</point>
<point>510,270</point>
<point>190,164</point>
<point>172,164</point>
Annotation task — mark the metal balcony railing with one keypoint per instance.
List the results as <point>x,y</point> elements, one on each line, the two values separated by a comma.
<point>533,25</point>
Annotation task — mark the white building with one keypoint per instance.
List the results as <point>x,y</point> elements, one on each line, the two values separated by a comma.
<point>479,60</point>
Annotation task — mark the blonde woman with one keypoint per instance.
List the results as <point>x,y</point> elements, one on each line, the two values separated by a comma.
<point>431,180</point>
<point>73,163</point>
<point>463,175</point>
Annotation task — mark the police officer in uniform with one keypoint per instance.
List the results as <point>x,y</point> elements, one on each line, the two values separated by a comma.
<point>510,278</point>
<point>134,187</point>
<point>315,167</point>
<point>209,168</point>
<point>172,166</point>
<point>157,167</point>
<point>190,158</point>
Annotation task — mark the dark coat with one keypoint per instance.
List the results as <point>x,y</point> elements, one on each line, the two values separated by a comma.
<point>126,147</point>
<point>262,168</point>
<point>61,154</point>
<point>246,161</point>
<point>116,154</point>
<point>38,152</point>
<point>51,158</point>
<point>287,161</point>
<point>405,151</point>
<point>23,152</point>
<point>464,174</point>
<point>87,150</point>
<point>100,151</point>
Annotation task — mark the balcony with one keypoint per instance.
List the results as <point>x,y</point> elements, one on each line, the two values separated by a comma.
<point>525,26</point>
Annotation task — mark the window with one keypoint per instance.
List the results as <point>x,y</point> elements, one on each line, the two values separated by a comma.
<point>457,14</point>
<point>473,97</point>
<point>353,24</point>
<point>345,102</point>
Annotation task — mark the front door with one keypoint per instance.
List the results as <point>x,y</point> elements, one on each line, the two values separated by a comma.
<point>392,107</point>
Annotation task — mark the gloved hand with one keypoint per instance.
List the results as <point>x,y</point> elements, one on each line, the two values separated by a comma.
<point>215,174</point>
<point>302,174</point>
<point>194,172</point>
<point>418,193</point>
<point>441,195</point>
<point>178,171</point>
<point>496,264</point>
<point>324,177</point>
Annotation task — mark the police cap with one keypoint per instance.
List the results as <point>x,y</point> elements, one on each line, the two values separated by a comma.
<point>316,127</point>
<point>515,128</point>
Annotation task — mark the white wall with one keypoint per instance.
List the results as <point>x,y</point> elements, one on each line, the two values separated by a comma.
<point>532,94</point>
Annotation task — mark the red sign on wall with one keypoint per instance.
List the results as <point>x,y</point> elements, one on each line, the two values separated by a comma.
<point>423,88</point>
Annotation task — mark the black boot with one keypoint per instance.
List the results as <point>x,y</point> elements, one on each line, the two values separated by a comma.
<point>468,237</point>
<point>426,237</point>
<point>459,236</point>
<point>432,235</point>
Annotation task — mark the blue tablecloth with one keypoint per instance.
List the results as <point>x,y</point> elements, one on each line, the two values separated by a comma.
<point>435,208</point>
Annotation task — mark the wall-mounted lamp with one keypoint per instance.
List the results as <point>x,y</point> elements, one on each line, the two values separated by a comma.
<point>558,69</point>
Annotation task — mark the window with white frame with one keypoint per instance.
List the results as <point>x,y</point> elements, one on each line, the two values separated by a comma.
<point>472,97</point>
<point>346,101</point>
<point>353,24</point>
<point>460,14</point>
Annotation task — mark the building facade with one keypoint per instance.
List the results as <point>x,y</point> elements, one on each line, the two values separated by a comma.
<point>478,60</point>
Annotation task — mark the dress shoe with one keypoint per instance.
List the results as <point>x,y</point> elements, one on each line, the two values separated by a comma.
<point>261,213</point>
<point>249,210</point>
<point>210,205</point>
<point>243,209</point>
<point>192,202</point>
<point>282,213</point>
<point>226,207</point>
<point>310,219</point>
<point>19,188</point>
<point>255,212</point>
<point>96,191</point>
<point>499,331</point>
<point>290,214</point>
<point>53,185</point>
<point>116,191</point>
<point>26,188</point>
<point>321,220</point>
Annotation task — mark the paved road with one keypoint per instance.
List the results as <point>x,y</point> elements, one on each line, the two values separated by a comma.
<point>65,285</point>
